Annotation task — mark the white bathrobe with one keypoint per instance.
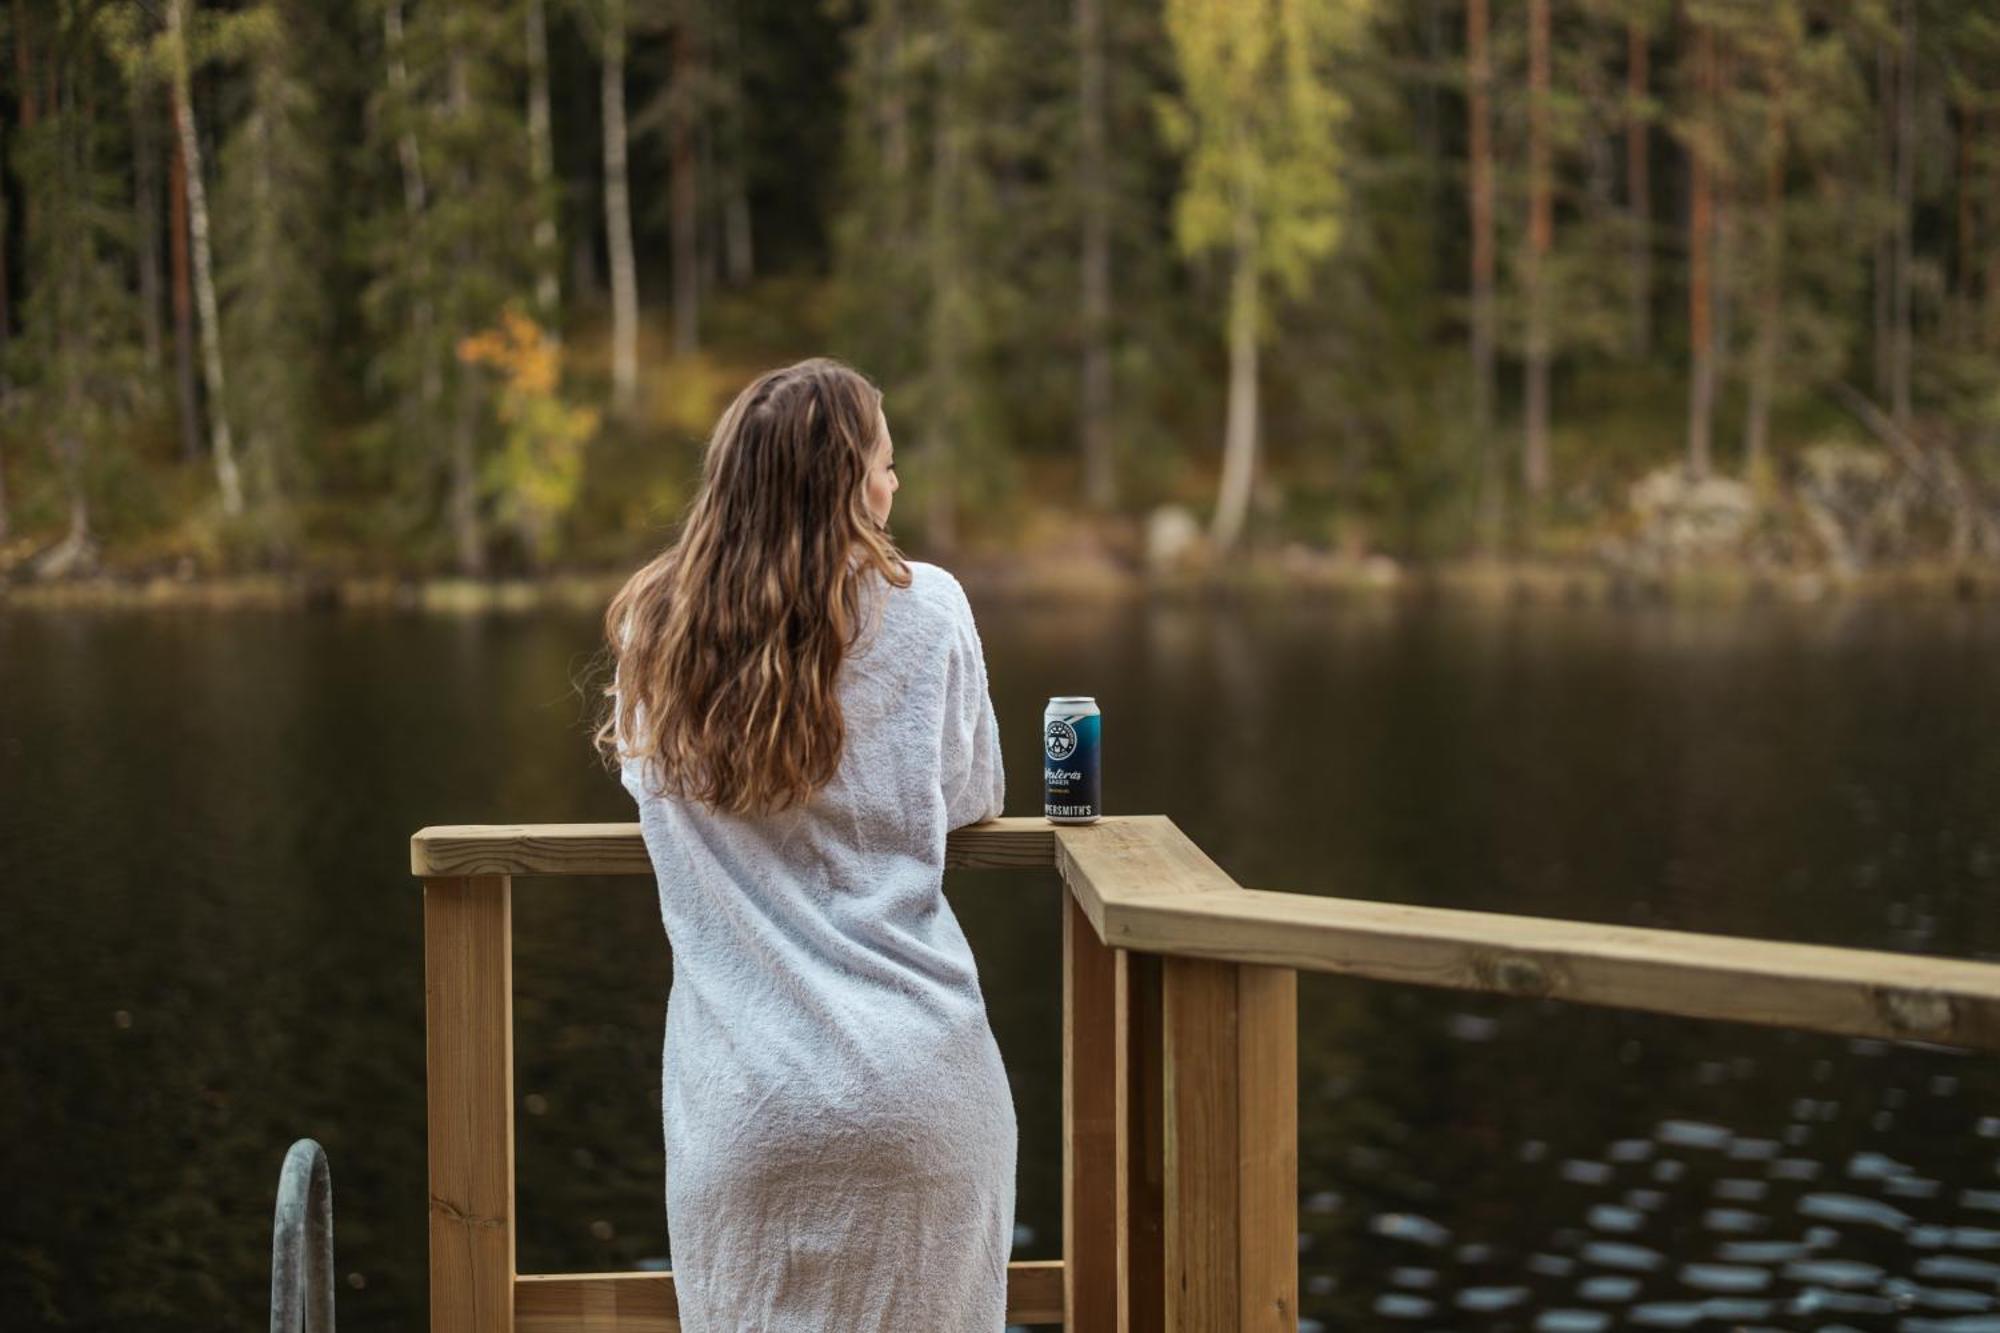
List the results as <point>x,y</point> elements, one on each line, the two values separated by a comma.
<point>840,1135</point>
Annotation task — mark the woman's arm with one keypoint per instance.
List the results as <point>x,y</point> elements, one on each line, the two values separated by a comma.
<point>974,778</point>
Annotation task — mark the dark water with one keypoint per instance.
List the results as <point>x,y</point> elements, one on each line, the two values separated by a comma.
<point>213,947</point>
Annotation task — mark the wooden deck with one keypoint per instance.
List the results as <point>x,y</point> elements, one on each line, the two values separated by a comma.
<point>1180,1130</point>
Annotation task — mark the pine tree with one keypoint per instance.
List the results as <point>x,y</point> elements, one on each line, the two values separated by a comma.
<point>271,229</point>
<point>76,367</point>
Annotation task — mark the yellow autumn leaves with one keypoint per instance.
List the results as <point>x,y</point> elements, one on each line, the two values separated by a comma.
<point>534,475</point>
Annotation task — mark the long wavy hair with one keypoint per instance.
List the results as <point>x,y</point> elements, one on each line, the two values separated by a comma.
<point>728,644</point>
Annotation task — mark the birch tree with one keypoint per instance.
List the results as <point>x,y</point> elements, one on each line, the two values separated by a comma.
<point>1479,212</point>
<point>1094,205</point>
<point>1257,123</point>
<point>222,445</point>
<point>609,21</point>
<point>541,165</point>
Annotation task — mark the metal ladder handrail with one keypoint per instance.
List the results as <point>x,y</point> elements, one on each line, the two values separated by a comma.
<point>302,1243</point>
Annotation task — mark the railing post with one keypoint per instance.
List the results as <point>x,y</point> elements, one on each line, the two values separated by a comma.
<point>1230,1087</point>
<point>469,1064</point>
<point>1142,1236</point>
<point>1092,1137</point>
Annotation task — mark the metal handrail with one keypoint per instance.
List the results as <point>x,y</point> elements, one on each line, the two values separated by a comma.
<point>302,1243</point>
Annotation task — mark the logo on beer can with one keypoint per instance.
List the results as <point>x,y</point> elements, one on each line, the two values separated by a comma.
<point>1059,739</point>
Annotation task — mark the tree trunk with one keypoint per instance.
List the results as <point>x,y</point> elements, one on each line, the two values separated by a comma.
<point>1479,137</point>
<point>1094,196</point>
<point>1964,276</point>
<point>1535,455</point>
<point>618,217</point>
<point>1639,195</point>
<point>1701,340</point>
<point>542,170</point>
<point>467,531</point>
<point>739,258</point>
<point>221,445</point>
<point>146,204</point>
<point>1906,176</point>
<point>416,201</point>
<point>1239,440</point>
<point>190,410</point>
<point>1763,365</point>
<point>947,300</point>
<point>683,199</point>
<point>1885,247</point>
<point>6,298</point>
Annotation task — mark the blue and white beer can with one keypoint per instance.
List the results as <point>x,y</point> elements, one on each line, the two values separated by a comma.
<point>1072,790</point>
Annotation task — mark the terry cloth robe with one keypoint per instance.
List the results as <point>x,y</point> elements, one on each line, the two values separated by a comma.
<point>840,1134</point>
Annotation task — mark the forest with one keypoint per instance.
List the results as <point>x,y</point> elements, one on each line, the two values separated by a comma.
<point>457,287</point>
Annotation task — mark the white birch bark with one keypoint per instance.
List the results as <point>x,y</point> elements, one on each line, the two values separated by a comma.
<point>220,443</point>
<point>618,216</point>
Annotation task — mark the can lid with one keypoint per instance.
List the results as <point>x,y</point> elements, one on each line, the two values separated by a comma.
<point>1074,699</point>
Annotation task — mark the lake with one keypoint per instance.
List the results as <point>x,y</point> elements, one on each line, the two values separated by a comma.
<point>214,946</point>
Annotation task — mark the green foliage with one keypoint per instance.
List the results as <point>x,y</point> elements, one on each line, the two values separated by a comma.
<point>912,175</point>
<point>1257,122</point>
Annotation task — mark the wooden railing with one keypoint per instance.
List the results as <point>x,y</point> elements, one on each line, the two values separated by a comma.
<point>1180,1030</point>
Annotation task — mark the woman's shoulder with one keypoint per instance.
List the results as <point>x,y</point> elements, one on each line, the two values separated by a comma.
<point>936,588</point>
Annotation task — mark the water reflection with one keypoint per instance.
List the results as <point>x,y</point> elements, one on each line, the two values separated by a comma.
<point>214,947</point>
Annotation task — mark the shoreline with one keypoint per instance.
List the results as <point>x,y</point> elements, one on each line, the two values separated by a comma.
<point>1292,572</point>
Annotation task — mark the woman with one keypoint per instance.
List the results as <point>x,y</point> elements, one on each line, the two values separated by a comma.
<point>801,715</point>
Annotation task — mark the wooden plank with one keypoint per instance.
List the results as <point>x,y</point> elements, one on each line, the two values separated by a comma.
<point>1092,1036</point>
<point>1854,992</point>
<point>1203,1208</point>
<point>1142,1242</point>
<point>1018,842</point>
<point>644,1302</point>
<point>1267,1151</point>
<point>469,1101</point>
<point>1126,857</point>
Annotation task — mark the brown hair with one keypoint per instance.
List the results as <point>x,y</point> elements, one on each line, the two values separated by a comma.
<point>728,643</point>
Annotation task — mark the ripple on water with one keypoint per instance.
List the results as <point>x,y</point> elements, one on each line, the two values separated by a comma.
<point>1973,1238</point>
<point>1733,1221</point>
<point>1610,1217</point>
<point>1981,1323</point>
<point>1579,1172</point>
<point>1854,1208</point>
<point>1754,1150</point>
<point>1618,1254</point>
<point>1609,1289</point>
<point>1762,1251</point>
<point>1741,1191</point>
<point>1401,1305</point>
<point>1572,1321</point>
<point>1728,1279</point>
<point>1957,1268</point>
<point>1692,1134</point>
<point>1409,1226</point>
<point>1876,1166</point>
<point>1667,1314</point>
<point>1491,1298</point>
<point>1985,1201</point>
<point>1816,1300</point>
<point>1630,1150</point>
<point>1834,1272</point>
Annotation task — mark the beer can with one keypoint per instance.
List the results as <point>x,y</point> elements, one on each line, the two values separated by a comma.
<point>1071,786</point>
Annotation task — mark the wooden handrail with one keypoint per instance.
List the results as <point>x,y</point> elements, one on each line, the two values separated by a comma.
<point>1180,1058</point>
<point>1145,886</point>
